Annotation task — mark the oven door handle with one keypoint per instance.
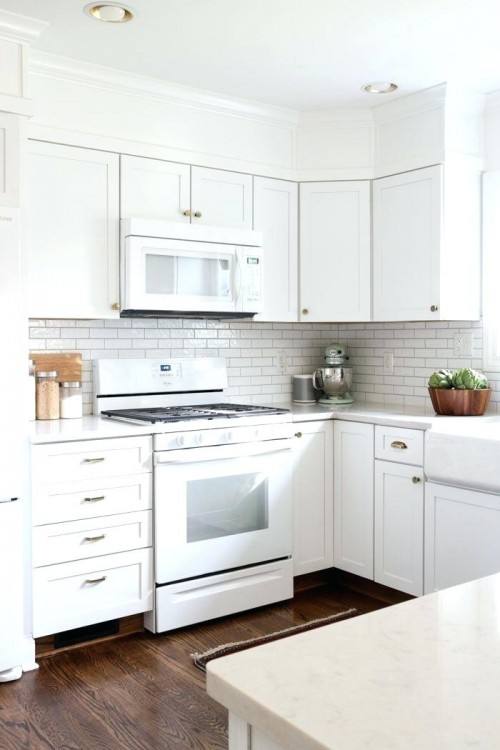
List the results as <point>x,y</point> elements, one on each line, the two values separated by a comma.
<point>190,457</point>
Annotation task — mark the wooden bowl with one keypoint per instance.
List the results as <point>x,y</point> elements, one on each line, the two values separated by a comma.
<point>460,403</point>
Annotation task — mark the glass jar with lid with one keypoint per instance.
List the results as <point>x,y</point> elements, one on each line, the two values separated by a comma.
<point>70,400</point>
<point>47,395</point>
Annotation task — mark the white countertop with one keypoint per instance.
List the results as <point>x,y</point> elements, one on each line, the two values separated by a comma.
<point>93,428</point>
<point>423,675</point>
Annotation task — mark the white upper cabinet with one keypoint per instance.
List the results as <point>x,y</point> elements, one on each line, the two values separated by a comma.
<point>335,251</point>
<point>220,198</point>
<point>275,215</point>
<point>9,161</point>
<point>426,245</point>
<point>313,497</point>
<point>71,247</point>
<point>353,492</point>
<point>154,189</point>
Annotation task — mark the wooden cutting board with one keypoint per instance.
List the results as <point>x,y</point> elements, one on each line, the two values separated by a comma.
<point>68,365</point>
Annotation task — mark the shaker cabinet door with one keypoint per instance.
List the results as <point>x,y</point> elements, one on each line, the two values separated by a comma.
<point>275,215</point>
<point>220,198</point>
<point>335,249</point>
<point>407,217</point>
<point>353,489</point>
<point>399,526</point>
<point>313,497</point>
<point>154,189</point>
<point>71,247</point>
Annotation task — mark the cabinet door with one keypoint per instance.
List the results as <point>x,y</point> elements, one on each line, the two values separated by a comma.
<point>353,498</point>
<point>154,189</point>
<point>462,533</point>
<point>335,252</point>
<point>220,198</point>
<point>407,212</point>
<point>399,527</point>
<point>71,232</point>
<point>275,215</point>
<point>9,159</point>
<point>313,497</point>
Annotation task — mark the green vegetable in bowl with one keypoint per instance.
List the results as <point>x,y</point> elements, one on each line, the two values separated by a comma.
<point>467,379</point>
<point>441,379</point>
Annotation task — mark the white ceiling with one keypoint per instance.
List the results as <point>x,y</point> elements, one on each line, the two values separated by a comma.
<point>304,54</point>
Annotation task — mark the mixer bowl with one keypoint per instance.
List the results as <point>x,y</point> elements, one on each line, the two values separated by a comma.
<point>333,381</point>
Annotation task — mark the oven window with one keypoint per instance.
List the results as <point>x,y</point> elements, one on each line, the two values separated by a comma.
<point>222,506</point>
<point>188,275</point>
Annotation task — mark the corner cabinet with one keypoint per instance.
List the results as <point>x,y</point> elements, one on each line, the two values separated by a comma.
<point>335,251</point>
<point>275,215</point>
<point>426,244</point>
<point>71,232</point>
<point>353,490</point>
<point>154,189</point>
<point>462,533</point>
<point>313,497</point>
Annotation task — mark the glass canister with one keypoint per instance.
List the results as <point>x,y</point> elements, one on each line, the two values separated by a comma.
<point>47,395</point>
<point>70,400</point>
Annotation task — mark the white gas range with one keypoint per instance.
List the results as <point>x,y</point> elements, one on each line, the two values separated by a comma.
<point>222,487</point>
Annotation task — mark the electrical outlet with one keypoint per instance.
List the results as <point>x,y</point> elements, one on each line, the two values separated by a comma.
<point>388,363</point>
<point>282,364</point>
<point>462,345</point>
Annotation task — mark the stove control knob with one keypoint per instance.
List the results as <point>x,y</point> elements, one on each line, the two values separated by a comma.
<point>198,439</point>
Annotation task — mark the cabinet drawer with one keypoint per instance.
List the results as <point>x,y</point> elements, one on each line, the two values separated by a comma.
<point>401,445</point>
<point>90,498</point>
<point>89,459</point>
<point>64,542</point>
<point>76,594</point>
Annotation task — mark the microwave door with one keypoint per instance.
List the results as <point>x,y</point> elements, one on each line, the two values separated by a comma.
<point>171,275</point>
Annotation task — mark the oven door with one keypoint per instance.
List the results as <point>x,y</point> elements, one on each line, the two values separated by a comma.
<point>179,275</point>
<point>222,507</point>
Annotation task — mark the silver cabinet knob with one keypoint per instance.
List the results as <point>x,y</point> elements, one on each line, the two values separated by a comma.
<point>434,308</point>
<point>187,212</point>
<point>305,311</point>
<point>115,306</point>
<point>298,434</point>
<point>416,480</point>
<point>197,214</point>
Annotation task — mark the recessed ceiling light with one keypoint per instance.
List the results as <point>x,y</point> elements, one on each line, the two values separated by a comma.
<point>379,87</point>
<point>109,12</point>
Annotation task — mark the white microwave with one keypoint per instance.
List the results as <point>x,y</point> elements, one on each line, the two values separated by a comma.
<point>170,269</point>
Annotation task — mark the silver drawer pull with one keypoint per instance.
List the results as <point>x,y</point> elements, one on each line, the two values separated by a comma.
<point>93,460</point>
<point>399,445</point>
<point>96,499</point>
<point>98,538</point>
<point>95,580</point>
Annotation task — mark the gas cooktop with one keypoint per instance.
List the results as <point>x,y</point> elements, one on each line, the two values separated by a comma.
<point>184,413</point>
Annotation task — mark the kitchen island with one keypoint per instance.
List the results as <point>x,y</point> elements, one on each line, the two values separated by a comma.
<point>422,675</point>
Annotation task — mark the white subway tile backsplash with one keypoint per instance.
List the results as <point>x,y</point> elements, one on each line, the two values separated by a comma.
<point>254,351</point>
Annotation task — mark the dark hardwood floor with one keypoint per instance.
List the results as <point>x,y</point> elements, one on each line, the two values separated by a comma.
<point>142,692</point>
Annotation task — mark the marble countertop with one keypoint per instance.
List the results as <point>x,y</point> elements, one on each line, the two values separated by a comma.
<point>422,675</point>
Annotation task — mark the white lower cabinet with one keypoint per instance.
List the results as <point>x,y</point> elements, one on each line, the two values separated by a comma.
<point>75,594</point>
<point>353,491</point>
<point>462,535</point>
<point>313,497</point>
<point>399,526</point>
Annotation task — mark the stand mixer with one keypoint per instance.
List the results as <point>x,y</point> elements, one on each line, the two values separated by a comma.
<point>334,380</point>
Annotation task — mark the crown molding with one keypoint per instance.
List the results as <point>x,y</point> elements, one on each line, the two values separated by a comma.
<point>337,116</point>
<point>411,104</point>
<point>20,28</point>
<point>131,84</point>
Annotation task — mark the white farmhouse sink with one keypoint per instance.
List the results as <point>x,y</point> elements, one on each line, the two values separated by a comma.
<point>464,451</point>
